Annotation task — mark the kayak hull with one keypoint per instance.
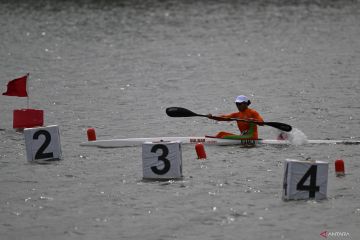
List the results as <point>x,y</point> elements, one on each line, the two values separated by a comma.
<point>131,142</point>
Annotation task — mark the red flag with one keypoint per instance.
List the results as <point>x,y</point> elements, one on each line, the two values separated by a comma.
<point>17,87</point>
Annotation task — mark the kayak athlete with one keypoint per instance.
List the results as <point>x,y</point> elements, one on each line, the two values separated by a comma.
<point>248,130</point>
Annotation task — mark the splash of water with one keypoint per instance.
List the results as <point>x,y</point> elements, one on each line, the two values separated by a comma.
<point>295,137</point>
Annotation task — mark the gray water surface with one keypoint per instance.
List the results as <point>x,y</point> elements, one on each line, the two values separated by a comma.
<point>117,65</point>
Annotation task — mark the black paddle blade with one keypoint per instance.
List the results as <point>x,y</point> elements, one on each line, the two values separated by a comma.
<point>180,112</point>
<point>282,126</point>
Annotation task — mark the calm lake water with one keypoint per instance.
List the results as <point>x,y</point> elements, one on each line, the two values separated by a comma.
<point>117,65</point>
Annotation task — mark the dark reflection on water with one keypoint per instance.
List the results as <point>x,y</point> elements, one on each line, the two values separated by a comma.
<point>54,5</point>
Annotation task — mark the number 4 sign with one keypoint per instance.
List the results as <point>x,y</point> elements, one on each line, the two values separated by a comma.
<point>305,180</point>
<point>42,144</point>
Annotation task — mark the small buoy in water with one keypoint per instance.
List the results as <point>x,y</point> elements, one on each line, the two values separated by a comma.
<point>340,168</point>
<point>91,134</point>
<point>200,151</point>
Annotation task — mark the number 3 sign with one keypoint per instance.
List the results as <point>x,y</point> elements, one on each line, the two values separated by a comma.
<point>162,160</point>
<point>305,180</point>
<point>42,144</point>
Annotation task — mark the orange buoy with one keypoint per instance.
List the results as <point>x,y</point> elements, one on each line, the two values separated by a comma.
<point>340,168</point>
<point>200,151</point>
<point>91,134</point>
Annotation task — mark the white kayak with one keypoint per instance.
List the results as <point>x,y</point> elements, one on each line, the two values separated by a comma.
<point>131,142</point>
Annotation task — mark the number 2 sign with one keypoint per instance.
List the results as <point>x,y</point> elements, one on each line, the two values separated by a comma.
<point>305,180</point>
<point>42,144</point>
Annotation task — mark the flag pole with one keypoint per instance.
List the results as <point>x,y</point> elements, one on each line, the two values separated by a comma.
<point>27,90</point>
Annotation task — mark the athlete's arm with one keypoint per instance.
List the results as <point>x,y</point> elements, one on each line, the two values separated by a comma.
<point>219,118</point>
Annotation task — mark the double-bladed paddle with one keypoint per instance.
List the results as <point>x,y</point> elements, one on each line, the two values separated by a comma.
<point>183,112</point>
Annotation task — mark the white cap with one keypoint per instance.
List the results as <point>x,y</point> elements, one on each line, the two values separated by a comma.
<point>241,99</point>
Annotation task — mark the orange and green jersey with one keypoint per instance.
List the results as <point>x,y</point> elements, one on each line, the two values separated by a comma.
<point>248,130</point>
